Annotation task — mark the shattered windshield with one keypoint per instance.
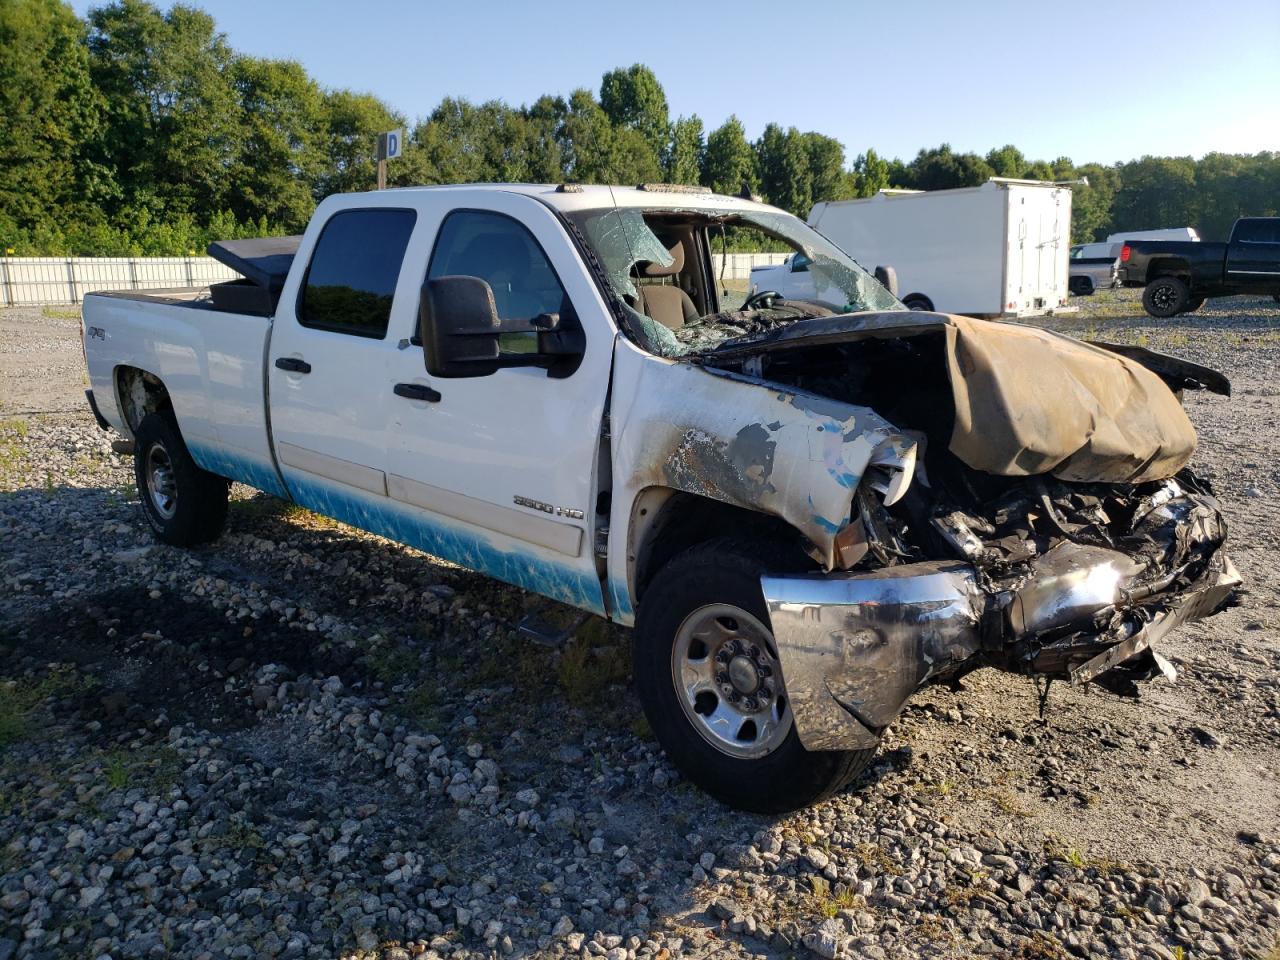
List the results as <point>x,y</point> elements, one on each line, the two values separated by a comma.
<point>693,279</point>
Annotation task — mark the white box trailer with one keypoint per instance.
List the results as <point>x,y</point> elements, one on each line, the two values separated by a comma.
<point>995,250</point>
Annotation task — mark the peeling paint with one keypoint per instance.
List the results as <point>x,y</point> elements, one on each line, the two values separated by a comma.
<point>741,441</point>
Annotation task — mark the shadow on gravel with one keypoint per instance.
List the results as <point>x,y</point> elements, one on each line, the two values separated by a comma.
<point>426,646</point>
<point>148,655</point>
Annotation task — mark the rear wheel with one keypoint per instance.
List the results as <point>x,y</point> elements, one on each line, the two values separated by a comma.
<point>1165,297</point>
<point>1080,286</point>
<point>918,301</point>
<point>184,504</point>
<point>708,676</point>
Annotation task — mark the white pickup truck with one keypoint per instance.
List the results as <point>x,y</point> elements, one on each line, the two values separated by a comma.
<point>807,509</point>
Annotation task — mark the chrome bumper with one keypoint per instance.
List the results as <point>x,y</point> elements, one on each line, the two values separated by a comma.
<point>854,647</point>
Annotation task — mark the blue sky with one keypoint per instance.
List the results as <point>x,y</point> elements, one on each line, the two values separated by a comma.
<point>1092,81</point>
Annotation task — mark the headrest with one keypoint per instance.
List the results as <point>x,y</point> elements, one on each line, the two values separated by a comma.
<point>650,269</point>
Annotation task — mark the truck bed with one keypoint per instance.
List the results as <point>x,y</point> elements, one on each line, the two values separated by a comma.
<point>211,361</point>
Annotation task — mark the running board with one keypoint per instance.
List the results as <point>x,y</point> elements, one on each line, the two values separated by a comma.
<point>534,628</point>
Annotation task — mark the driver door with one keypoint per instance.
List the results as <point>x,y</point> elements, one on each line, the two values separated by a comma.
<point>501,471</point>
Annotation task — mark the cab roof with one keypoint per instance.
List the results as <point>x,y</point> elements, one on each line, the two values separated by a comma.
<point>589,196</point>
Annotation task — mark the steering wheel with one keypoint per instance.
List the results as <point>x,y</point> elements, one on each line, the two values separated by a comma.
<point>762,298</point>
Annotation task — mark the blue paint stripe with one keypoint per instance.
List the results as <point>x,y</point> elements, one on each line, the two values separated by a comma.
<point>620,602</point>
<point>460,545</point>
<point>236,466</point>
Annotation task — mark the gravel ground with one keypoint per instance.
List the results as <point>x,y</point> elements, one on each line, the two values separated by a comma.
<point>304,741</point>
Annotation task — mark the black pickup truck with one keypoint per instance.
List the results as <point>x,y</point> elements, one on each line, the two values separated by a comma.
<point>1178,276</point>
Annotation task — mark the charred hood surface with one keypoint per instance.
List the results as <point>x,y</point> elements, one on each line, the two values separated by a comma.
<point>1005,399</point>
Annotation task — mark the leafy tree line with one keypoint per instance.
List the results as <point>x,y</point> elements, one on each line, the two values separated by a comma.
<point>140,131</point>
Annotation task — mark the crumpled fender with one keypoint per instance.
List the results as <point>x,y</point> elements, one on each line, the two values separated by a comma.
<point>745,442</point>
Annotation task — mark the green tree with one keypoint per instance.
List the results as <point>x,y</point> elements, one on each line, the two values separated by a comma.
<point>632,97</point>
<point>352,124</point>
<point>826,168</point>
<point>281,141</point>
<point>785,176</point>
<point>1155,192</point>
<point>729,163</point>
<point>49,112</point>
<point>871,174</point>
<point>685,153</point>
<point>1091,205</point>
<point>172,117</point>
<point>596,151</point>
<point>1007,161</point>
<point>941,168</point>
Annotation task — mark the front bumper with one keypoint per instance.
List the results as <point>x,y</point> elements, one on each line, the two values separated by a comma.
<point>855,647</point>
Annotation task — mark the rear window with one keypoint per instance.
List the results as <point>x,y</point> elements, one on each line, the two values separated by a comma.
<point>351,279</point>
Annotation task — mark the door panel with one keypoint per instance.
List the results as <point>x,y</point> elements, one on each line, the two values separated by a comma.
<point>330,357</point>
<point>503,468</point>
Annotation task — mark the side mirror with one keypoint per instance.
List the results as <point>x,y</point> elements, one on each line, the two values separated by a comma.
<point>888,278</point>
<point>459,326</point>
<point>461,332</point>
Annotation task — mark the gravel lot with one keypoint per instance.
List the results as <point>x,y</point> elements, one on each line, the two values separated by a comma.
<point>304,741</point>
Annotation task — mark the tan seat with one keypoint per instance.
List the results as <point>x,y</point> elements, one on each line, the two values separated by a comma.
<point>667,304</point>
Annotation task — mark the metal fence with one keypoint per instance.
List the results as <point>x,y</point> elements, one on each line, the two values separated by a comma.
<point>38,280</point>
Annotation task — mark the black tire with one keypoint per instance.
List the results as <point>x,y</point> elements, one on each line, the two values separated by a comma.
<point>722,572</point>
<point>183,504</point>
<point>918,301</point>
<point>1080,286</point>
<point>1165,297</point>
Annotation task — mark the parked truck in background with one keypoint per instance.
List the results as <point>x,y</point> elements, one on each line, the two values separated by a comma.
<point>1179,276</point>
<point>806,509</point>
<point>1095,266</point>
<point>995,250</point>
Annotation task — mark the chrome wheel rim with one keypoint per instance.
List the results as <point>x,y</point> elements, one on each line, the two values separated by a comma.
<point>161,486</point>
<point>724,665</point>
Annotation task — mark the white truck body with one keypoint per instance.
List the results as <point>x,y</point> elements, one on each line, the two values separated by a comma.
<point>489,374</point>
<point>995,250</point>
<point>1183,234</point>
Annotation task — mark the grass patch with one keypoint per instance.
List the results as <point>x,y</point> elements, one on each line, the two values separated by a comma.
<point>153,768</point>
<point>1042,946</point>
<point>830,902</point>
<point>53,314</point>
<point>597,658</point>
<point>20,698</point>
<point>1007,802</point>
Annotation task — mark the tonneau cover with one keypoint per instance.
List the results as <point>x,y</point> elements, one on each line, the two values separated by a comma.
<point>264,261</point>
<point>1029,401</point>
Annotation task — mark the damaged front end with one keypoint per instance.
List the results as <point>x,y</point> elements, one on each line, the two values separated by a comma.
<point>1054,538</point>
<point>1086,606</point>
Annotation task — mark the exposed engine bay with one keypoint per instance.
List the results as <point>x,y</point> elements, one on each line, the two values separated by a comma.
<point>1085,538</point>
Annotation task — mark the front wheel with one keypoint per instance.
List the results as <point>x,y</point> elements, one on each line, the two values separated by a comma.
<point>184,504</point>
<point>707,671</point>
<point>1165,297</point>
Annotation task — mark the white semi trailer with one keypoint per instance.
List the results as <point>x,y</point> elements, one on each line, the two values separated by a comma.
<point>995,250</point>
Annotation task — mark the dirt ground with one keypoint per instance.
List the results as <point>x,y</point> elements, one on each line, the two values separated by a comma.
<point>1139,801</point>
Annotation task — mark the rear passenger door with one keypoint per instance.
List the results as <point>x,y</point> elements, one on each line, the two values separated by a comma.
<point>329,362</point>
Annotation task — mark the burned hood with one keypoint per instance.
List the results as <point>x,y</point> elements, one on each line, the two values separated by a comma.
<point>1029,401</point>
